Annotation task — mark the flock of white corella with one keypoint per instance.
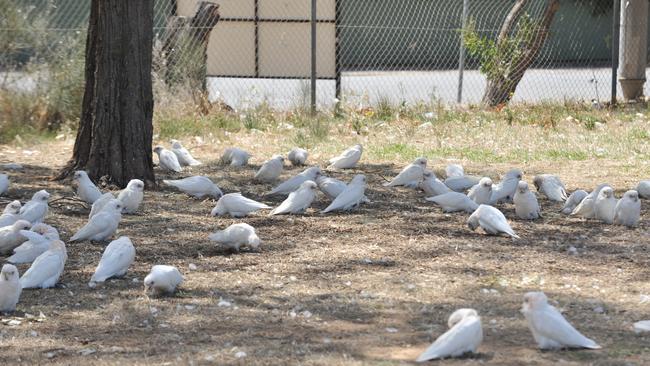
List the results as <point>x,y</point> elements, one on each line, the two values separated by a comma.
<point>25,238</point>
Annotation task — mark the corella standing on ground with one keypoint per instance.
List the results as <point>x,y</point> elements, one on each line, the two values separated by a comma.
<point>197,186</point>
<point>348,158</point>
<point>351,197</point>
<point>86,189</point>
<point>587,207</point>
<point>162,280</point>
<point>236,236</point>
<point>526,205</point>
<point>628,209</point>
<point>505,190</point>
<point>332,187</point>
<point>465,335</point>
<point>482,192</point>
<point>38,242</point>
<point>551,186</point>
<point>298,201</point>
<point>454,202</point>
<point>4,184</point>
<point>271,169</point>
<point>431,185</point>
<point>103,225</point>
<point>10,213</point>
<point>411,175</point>
<point>10,236</point>
<point>183,155</point>
<point>294,182</point>
<point>100,203</point>
<point>35,210</point>
<point>132,196</point>
<point>573,201</point>
<point>605,206</point>
<point>454,170</point>
<point>644,189</point>
<point>297,156</point>
<point>236,205</point>
<point>47,268</point>
<point>10,288</point>
<point>116,260</point>
<point>167,160</point>
<point>549,328</point>
<point>462,183</point>
<point>491,220</point>
<point>234,156</point>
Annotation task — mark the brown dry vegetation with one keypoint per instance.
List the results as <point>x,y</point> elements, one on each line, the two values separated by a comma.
<point>373,286</point>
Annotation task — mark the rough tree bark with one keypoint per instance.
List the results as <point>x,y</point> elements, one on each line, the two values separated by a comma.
<point>185,45</point>
<point>115,130</point>
<point>501,89</point>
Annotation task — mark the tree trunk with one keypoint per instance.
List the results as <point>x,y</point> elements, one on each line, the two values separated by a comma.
<point>115,130</point>
<point>185,46</point>
<point>501,89</point>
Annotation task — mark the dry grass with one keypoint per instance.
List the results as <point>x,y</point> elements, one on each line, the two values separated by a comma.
<point>369,287</point>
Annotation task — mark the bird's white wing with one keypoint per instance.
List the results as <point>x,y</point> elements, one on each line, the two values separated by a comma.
<point>349,196</point>
<point>464,337</point>
<point>554,190</point>
<point>408,175</point>
<point>288,185</point>
<point>350,153</point>
<point>27,207</point>
<point>96,224</point>
<point>170,161</point>
<point>552,325</point>
<point>183,154</point>
<point>44,267</point>
<point>115,260</point>
<point>33,237</point>
<point>240,203</point>
<point>286,205</point>
<point>460,184</point>
<point>331,187</point>
<point>191,184</point>
<point>494,222</point>
<point>450,199</point>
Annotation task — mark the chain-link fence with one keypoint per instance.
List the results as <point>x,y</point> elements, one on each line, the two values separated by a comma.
<point>367,51</point>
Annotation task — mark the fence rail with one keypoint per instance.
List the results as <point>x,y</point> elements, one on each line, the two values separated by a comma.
<point>367,51</point>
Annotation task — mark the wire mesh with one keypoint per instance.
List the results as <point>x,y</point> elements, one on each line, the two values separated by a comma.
<point>397,51</point>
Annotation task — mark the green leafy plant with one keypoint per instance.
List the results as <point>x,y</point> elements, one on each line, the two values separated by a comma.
<point>497,59</point>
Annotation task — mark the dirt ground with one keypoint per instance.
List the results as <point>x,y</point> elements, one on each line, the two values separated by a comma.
<point>371,287</point>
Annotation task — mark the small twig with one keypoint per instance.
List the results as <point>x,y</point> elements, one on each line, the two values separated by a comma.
<point>73,200</point>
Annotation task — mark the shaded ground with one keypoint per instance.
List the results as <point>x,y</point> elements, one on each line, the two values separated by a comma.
<point>370,287</point>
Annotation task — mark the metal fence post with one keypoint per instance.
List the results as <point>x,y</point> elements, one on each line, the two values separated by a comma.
<point>337,51</point>
<point>313,57</point>
<point>616,26</point>
<point>461,56</point>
